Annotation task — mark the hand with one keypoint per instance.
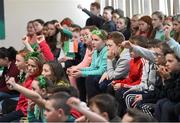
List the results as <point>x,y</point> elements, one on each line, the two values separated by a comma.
<point>111,55</point>
<point>62,59</point>
<point>58,26</point>
<point>117,86</point>
<point>11,84</point>
<point>127,44</point>
<point>104,77</point>
<point>40,38</point>
<point>79,6</point>
<point>167,31</point>
<point>74,102</point>
<point>125,93</point>
<point>138,98</point>
<point>81,119</point>
<point>164,73</point>
<point>25,40</point>
<point>77,73</point>
<point>31,105</point>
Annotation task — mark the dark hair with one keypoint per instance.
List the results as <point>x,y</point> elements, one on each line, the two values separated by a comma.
<point>169,51</point>
<point>52,40</point>
<point>109,8</point>
<point>9,53</point>
<point>60,100</point>
<point>70,90</point>
<point>139,116</point>
<point>58,71</point>
<point>117,37</point>
<point>120,12</point>
<point>139,40</point>
<point>96,4</point>
<point>153,43</point>
<point>39,21</point>
<point>105,103</point>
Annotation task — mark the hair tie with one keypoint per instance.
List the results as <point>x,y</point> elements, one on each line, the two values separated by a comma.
<point>42,81</point>
<point>99,34</point>
<point>31,55</point>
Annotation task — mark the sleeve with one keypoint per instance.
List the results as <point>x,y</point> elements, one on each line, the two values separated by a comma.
<point>91,14</point>
<point>66,32</point>
<point>46,51</point>
<point>86,61</point>
<point>173,92</point>
<point>145,53</point>
<point>120,71</point>
<point>175,46</point>
<point>97,70</point>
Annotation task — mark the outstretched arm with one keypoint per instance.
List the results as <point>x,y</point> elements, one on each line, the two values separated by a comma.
<point>93,117</point>
<point>12,85</point>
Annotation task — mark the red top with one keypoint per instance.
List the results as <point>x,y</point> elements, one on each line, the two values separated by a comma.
<point>23,101</point>
<point>46,51</point>
<point>135,73</point>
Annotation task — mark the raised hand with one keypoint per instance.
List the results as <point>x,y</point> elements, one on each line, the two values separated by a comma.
<point>40,38</point>
<point>79,6</point>
<point>127,44</point>
<point>11,84</point>
<point>58,26</point>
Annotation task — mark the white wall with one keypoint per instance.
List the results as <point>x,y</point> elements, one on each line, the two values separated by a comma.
<point>19,12</point>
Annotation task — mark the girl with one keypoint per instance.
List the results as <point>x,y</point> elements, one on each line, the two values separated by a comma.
<point>34,67</point>
<point>79,83</point>
<point>157,22</point>
<point>176,27</point>
<point>145,26</point>
<point>39,86</point>
<point>7,60</point>
<point>122,25</point>
<point>164,110</point>
<point>98,65</point>
<point>52,38</point>
<point>53,71</point>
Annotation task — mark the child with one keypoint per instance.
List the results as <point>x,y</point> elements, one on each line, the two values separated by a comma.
<point>52,38</point>
<point>108,25</point>
<point>94,13</point>
<point>39,85</point>
<point>53,71</point>
<point>176,27</point>
<point>135,24</point>
<point>117,13</point>
<point>145,26</point>
<point>103,105</point>
<point>117,60</point>
<point>7,60</point>
<point>122,26</point>
<point>164,110</point>
<point>157,22</point>
<point>34,67</point>
<point>86,40</point>
<point>98,65</point>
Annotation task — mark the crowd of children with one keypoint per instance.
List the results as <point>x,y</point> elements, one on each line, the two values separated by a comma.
<point>115,69</point>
